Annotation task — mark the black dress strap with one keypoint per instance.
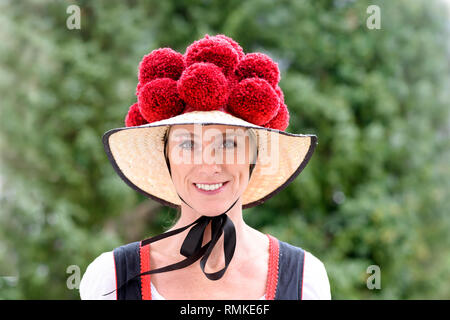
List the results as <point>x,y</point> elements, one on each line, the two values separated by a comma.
<point>127,264</point>
<point>290,272</point>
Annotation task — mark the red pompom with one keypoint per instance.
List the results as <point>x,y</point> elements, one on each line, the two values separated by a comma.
<point>233,81</point>
<point>258,65</point>
<point>279,93</point>
<point>233,43</point>
<point>203,87</point>
<point>281,120</point>
<point>134,117</point>
<point>159,99</point>
<point>214,50</point>
<point>254,100</point>
<point>161,63</point>
<point>138,88</point>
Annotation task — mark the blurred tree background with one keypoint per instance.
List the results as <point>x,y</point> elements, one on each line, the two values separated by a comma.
<point>374,193</point>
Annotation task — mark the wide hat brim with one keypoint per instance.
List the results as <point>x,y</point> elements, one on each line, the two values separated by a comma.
<point>137,155</point>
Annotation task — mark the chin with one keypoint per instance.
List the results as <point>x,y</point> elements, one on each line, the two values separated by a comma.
<point>212,212</point>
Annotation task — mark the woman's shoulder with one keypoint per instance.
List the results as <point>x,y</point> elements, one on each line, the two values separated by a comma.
<point>99,278</point>
<point>316,285</point>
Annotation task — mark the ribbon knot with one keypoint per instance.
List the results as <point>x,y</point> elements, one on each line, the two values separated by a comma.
<point>193,241</point>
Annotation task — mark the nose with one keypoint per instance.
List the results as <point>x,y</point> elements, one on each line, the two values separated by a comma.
<point>208,166</point>
<point>208,156</point>
<point>209,170</point>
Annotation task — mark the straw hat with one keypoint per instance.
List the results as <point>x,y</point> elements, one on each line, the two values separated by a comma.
<point>214,82</point>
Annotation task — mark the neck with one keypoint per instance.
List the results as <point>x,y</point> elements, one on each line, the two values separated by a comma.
<point>216,260</point>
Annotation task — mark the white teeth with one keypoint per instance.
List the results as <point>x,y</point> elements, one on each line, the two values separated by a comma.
<point>209,187</point>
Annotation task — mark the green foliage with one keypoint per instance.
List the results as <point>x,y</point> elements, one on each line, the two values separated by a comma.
<point>374,192</point>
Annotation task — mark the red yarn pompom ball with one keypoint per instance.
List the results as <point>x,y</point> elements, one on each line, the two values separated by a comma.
<point>159,99</point>
<point>281,120</point>
<point>134,117</point>
<point>233,81</point>
<point>161,63</point>
<point>203,87</point>
<point>233,43</point>
<point>138,88</point>
<point>214,50</point>
<point>254,100</point>
<point>259,65</point>
<point>279,93</point>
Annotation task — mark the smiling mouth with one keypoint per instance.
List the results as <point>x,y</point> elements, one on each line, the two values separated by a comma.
<point>210,188</point>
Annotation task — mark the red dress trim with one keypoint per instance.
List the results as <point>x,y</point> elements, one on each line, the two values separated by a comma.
<point>303,274</point>
<point>272,275</point>
<point>115,275</point>
<point>146,290</point>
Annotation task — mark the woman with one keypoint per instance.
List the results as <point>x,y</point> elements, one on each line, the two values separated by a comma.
<point>207,137</point>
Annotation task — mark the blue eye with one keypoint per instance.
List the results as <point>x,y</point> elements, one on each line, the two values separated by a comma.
<point>229,143</point>
<point>187,144</point>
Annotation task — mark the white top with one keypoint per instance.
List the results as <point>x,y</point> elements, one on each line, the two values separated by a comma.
<point>157,296</point>
<point>100,278</point>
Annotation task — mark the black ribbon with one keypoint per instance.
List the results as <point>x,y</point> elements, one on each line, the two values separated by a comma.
<point>192,247</point>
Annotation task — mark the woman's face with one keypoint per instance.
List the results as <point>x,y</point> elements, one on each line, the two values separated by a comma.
<point>209,165</point>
